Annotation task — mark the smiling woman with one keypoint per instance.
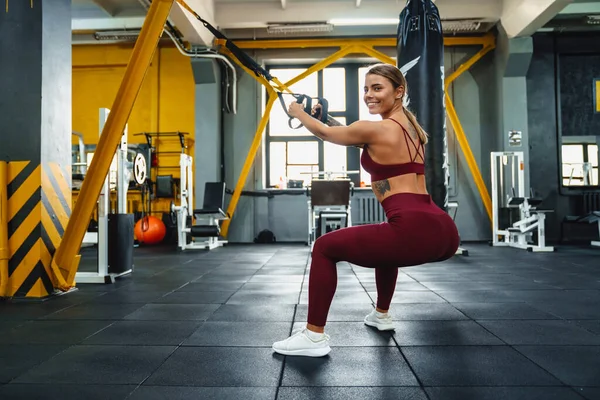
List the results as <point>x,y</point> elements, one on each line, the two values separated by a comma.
<point>394,154</point>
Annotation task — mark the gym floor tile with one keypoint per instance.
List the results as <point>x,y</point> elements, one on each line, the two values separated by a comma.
<point>157,287</point>
<point>26,311</point>
<point>442,333</point>
<point>350,366</point>
<point>281,271</point>
<point>187,393</point>
<point>343,297</point>
<point>125,297</point>
<point>16,359</point>
<point>147,333</point>
<point>400,287</point>
<point>353,334</point>
<point>501,393</point>
<point>338,312</point>
<point>276,278</point>
<point>7,325</point>
<point>573,365</point>
<point>476,285</point>
<point>263,297</point>
<point>53,332</point>
<point>117,365</point>
<point>194,298</point>
<point>274,287</point>
<point>588,393</point>
<point>65,392</point>
<point>351,393</point>
<point>540,332</point>
<point>496,311</point>
<point>95,311</point>
<point>425,312</point>
<point>219,366</point>
<point>211,287</point>
<point>239,334</point>
<point>173,312</point>
<point>259,313</point>
<point>590,325</point>
<point>412,297</point>
<point>500,324</point>
<point>480,296</point>
<point>570,308</point>
<point>475,366</point>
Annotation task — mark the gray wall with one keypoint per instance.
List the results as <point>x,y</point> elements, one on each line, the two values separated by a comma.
<point>207,155</point>
<point>544,129</point>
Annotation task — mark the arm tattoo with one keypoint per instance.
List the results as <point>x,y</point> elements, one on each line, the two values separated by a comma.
<point>381,186</point>
<point>333,122</point>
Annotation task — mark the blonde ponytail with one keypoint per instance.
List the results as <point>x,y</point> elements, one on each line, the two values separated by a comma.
<point>413,120</point>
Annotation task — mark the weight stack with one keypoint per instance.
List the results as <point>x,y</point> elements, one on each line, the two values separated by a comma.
<point>120,243</point>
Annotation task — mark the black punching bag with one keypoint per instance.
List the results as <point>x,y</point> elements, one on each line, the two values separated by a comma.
<point>421,60</point>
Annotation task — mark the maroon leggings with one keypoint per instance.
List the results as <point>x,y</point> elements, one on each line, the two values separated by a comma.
<point>417,232</point>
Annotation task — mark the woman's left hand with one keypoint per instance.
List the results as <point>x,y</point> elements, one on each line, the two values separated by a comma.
<point>296,109</point>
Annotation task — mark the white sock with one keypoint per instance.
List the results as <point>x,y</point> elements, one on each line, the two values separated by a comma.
<point>314,335</point>
<point>380,314</point>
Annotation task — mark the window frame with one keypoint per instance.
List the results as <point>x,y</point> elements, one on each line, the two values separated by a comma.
<point>351,114</point>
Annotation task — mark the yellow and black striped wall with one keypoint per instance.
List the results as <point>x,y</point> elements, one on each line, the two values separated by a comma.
<point>39,207</point>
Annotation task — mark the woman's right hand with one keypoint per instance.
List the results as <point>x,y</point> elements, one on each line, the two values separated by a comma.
<point>316,110</point>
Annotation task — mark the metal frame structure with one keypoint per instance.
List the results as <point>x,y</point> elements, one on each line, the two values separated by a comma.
<point>102,275</point>
<point>346,47</point>
<point>531,219</point>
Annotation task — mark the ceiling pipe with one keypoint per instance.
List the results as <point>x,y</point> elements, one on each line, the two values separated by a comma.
<point>194,54</point>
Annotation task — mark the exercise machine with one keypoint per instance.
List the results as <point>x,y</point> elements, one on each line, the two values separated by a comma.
<point>329,205</point>
<point>116,260</point>
<point>508,195</point>
<point>210,214</point>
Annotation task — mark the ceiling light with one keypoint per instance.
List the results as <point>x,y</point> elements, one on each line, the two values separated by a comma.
<point>116,35</point>
<point>363,21</point>
<point>460,25</point>
<point>299,28</point>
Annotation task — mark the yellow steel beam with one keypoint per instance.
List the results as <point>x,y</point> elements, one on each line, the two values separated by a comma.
<point>4,252</point>
<point>465,67</point>
<point>265,118</point>
<point>248,163</point>
<point>378,55</point>
<point>344,51</point>
<point>65,261</point>
<point>348,46</point>
<point>466,149</point>
<point>229,54</point>
<point>370,42</point>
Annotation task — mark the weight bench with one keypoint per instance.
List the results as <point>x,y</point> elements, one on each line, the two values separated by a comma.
<point>207,219</point>
<point>520,233</point>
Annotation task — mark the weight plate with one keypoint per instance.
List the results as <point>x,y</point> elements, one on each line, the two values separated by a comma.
<point>139,169</point>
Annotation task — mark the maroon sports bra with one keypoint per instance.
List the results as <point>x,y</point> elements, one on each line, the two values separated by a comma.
<point>384,171</point>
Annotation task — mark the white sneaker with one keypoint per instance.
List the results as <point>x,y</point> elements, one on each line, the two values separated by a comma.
<point>300,344</point>
<point>383,323</point>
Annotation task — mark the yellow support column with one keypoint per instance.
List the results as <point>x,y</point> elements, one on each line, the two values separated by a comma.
<point>466,149</point>
<point>248,163</point>
<point>66,260</point>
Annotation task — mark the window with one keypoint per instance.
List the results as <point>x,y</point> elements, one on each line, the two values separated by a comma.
<point>292,154</point>
<point>579,164</point>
